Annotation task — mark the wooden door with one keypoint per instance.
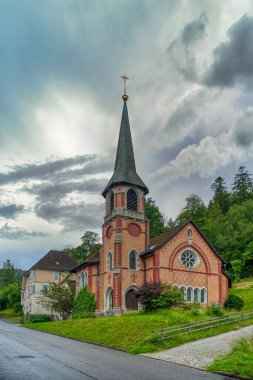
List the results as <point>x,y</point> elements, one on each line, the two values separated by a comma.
<point>131,300</point>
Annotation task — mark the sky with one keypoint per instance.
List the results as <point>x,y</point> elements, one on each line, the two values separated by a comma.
<point>190,108</point>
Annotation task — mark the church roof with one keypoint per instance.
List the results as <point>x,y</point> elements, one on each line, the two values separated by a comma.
<point>160,240</point>
<point>124,169</point>
<point>55,260</point>
<point>92,259</point>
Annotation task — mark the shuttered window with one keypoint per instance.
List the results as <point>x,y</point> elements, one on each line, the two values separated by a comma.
<point>132,200</point>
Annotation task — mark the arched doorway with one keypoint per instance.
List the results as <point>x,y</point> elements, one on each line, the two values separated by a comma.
<point>109,299</point>
<point>131,300</point>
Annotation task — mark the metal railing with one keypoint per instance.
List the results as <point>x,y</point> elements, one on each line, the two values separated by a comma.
<point>186,328</point>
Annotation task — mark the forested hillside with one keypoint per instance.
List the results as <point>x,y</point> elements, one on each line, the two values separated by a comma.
<point>227,220</point>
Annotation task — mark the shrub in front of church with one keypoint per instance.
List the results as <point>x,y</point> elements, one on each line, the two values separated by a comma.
<point>215,309</point>
<point>234,302</point>
<point>84,305</point>
<point>155,295</point>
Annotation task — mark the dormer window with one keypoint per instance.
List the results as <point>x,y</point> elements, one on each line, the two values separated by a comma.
<point>132,200</point>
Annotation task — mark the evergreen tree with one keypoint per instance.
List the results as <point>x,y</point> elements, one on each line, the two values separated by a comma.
<point>220,196</point>
<point>7,273</point>
<point>194,209</point>
<point>156,218</point>
<point>242,186</point>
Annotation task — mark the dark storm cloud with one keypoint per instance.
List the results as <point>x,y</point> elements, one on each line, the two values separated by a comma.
<point>73,217</point>
<point>181,50</point>
<point>233,60</point>
<point>54,192</point>
<point>243,131</point>
<point>10,211</point>
<point>12,233</point>
<point>91,164</point>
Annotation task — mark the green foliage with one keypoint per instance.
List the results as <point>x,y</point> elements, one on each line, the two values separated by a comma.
<point>221,197</point>
<point>7,273</point>
<point>215,310</point>
<point>243,186</point>
<point>90,244</point>
<point>237,268</point>
<point>194,209</point>
<point>39,318</point>
<point>156,218</point>
<point>85,304</point>
<point>10,297</point>
<point>234,302</point>
<point>155,295</point>
<point>59,298</point>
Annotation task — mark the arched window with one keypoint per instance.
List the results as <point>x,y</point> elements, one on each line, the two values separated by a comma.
<point>189,294</point>
<point>112,201</point>
<point>189,233</point>
<point>196,295</point>
<point>184,291</point>
<point>203,295</point>
<point>109,262</point>
<point>132,260</point>
<point>132,200</point>
<point>82,280</point>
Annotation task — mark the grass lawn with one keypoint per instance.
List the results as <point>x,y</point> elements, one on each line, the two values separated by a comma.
<point>134,332</point>
<point>239,361</point>
<point>244,289</point>
<point>7,313</point>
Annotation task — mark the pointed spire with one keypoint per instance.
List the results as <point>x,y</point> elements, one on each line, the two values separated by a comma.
<point>124,169</point>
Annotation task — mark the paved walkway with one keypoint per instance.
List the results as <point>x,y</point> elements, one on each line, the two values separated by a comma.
<point>203,352</point>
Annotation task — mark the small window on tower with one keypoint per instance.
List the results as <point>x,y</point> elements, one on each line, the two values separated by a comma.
<point>132,200</point>
<point>132,260</point>
<point>112,201</point>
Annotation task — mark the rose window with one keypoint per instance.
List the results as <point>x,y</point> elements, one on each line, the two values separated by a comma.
<point>189,259</point>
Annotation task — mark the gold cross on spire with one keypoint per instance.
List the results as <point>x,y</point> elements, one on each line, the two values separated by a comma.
<point>125,78</point>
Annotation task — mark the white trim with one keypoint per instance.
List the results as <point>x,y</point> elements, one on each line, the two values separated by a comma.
<point>199,289</point>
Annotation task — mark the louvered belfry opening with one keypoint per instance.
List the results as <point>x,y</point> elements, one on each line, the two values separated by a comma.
<point>112,201</point>
<point>132,200</point>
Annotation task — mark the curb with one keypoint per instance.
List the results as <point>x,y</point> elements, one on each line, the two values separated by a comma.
<point>232,375</point>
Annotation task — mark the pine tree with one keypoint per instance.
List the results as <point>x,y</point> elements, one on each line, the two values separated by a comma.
<point>221,195</point>
<point>156,218</point>
<point>242,186</point>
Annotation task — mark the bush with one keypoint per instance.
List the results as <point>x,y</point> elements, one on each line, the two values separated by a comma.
<point>155,295</point>
<point>234,302</point>
<point>39,318</point>
<point>195,309</point>
<point>85,304</point>
<point>215,309</point>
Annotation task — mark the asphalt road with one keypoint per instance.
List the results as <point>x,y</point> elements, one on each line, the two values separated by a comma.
<point>28,354</point>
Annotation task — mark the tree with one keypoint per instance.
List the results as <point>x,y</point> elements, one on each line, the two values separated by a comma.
<point>156,218</point>
<point>242,186</point>
<point>59,298</point>
<point>220,196</point>
<point>7,273</point>
<point>85,304</point>
<point>90,244</point>
<point>194,209</point>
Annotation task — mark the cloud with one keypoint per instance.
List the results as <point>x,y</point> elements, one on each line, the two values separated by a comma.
<point>79,216</point>
<point>181,50</point>
<point>243,130</point>
<point>233,59</point>
<point>46,170</point>
<point>10,211</point>
<point>13,233</point>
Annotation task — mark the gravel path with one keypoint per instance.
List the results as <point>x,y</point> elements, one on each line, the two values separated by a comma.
<point>203,352</point>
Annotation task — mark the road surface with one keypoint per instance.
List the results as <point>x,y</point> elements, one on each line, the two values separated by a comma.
<point>28,354</point>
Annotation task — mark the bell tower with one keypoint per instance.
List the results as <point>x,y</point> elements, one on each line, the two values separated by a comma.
<point>125,230</point>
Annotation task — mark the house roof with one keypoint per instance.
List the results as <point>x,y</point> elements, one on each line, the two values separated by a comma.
<point>55,260</point>
<point>124,169</point>
<point>165,237</point>
<point>91,260</point>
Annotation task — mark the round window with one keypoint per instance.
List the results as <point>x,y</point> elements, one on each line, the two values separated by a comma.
<point>189,259</point>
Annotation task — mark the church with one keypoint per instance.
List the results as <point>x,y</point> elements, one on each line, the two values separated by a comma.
<point>128,258</point>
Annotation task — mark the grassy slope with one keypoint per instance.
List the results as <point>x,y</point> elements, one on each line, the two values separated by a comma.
<point>7,313</point>
<point>134,332</point>
<point>239,361</point>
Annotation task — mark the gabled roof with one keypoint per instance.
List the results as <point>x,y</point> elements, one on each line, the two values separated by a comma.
<point>165,237</point>
<point>55,260</point>
<point>124,169</point>
<point>91,260</point>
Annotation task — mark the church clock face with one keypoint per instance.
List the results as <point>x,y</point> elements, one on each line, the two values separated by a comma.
<point>189,259</point>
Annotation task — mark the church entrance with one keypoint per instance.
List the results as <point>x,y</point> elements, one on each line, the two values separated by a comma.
<point>109,299</point>
<point>131,300</point>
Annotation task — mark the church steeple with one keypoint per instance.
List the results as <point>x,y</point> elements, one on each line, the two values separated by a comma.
<point>124,169</point>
